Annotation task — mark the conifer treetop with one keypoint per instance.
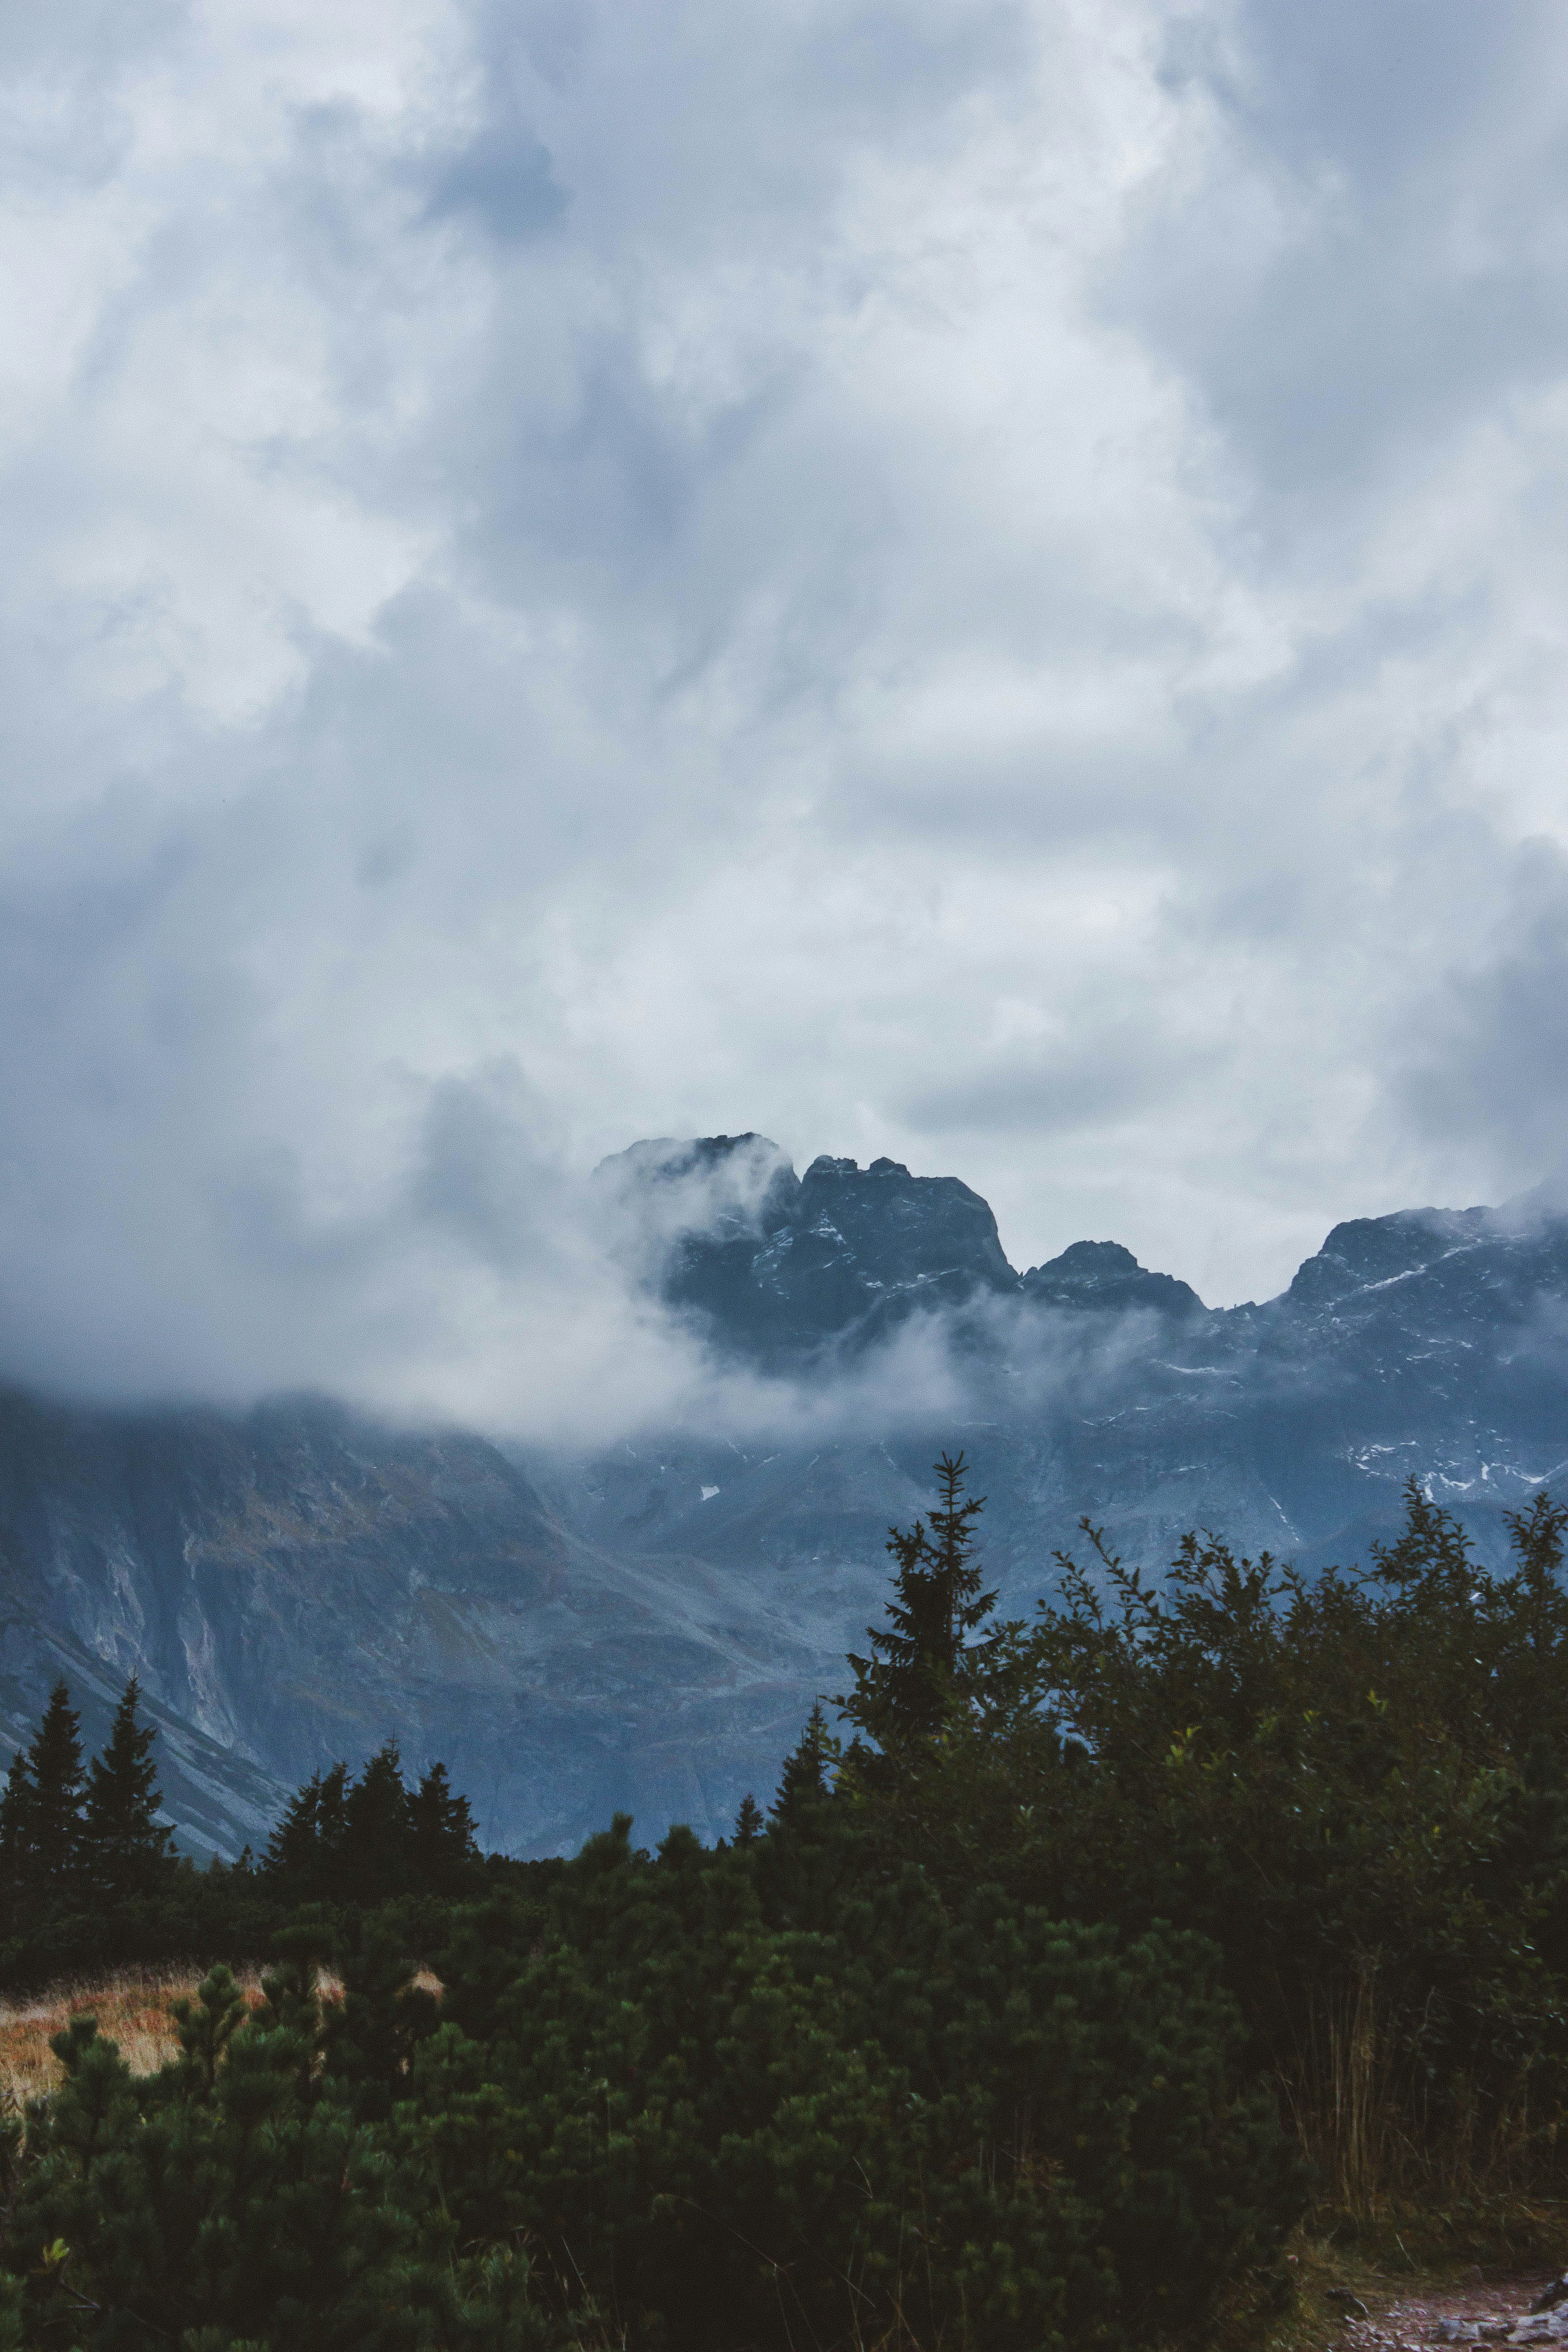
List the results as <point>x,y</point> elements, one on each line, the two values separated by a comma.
<point>904,1689</point>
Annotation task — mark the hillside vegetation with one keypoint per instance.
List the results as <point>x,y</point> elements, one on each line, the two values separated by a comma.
<point>1049,1995</point>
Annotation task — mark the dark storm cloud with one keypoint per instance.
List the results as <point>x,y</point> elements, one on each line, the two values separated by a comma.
<point>984,583</point>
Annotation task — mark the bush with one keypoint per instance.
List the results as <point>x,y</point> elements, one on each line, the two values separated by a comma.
<point>711,2126</point>
<point>983,2127</point>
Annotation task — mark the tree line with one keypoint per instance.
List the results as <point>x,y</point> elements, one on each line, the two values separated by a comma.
<point>89,1874</point>
<point>61,1827</point>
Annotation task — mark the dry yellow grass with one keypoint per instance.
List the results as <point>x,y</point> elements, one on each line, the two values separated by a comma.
<point>131,2006</point>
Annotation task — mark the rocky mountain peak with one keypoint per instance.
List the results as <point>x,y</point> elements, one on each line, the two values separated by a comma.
<point>776,1265</point>
<point>1365,1251</point>
<point>1105,1275</point>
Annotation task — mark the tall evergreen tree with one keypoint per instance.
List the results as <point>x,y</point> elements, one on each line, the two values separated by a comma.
<point>293,1848</point>
<point>807,1777</point>
<point>54,1768</point>
<point>442,1846</point>
<point>904,1689</point>
<point>15,1824</point>
<point>331,1812</point>
<point>122,1843</point>
<point>375,1853</point>
<point>749,1821</point>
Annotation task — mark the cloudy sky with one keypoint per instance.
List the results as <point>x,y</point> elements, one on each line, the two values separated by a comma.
<point>980,580</point>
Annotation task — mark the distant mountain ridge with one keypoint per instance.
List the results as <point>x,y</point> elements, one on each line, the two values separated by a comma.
<point>778,1262</point>
<point>782,1264</point>
<point>645,1625</point>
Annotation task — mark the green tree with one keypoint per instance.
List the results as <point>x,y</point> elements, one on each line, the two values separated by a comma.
<point>332,1814</point>
<point>904,1689</point>
<point>123,1843</point>
<point>54,1769</point>
<point>376,1830</point>
<point>750,1821</point>
<point>442,1847</point>
<point>16,1821</point>
<point>291,1851</point>
<point>806,1778</point>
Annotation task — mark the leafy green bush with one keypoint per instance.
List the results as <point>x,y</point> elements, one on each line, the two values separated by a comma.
<point>983,2124</point>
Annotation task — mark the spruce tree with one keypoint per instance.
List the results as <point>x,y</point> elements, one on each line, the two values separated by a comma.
<point>441,1842</point>
<point>122,1843</point>
<point>291,1850</point>
<point>15,1824</point>
<point>807,1777</point>
<point>54,1768</point>
<point>375,1848</point>
<point>749,1821</point>
<point>332,1814</point>
<point>904,1689</point>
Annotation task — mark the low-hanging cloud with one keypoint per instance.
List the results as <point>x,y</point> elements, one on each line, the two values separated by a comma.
<point>981,583</point>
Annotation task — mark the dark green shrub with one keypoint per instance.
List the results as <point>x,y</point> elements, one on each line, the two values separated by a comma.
<point>989,2129</point>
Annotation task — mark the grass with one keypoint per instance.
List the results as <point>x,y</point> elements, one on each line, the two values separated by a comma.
<point>131,2006</point>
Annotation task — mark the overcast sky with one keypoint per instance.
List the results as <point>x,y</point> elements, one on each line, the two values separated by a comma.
<point>969,579</point>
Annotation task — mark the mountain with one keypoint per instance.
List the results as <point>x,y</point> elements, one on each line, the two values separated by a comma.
<point>1431,1342</point>
<point>774,1264</point>
<point>643,1626</point>
<point>297,1584</point>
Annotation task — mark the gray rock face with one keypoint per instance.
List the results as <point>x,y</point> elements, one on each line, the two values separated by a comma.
<point>1103,1277</point>
<point>644,1626</point>
<point>777,1267</point>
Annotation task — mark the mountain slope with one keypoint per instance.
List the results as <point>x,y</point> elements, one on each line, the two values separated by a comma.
<point>298,1584</point>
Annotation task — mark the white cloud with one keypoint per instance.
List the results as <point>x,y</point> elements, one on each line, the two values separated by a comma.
<point>983,582</point>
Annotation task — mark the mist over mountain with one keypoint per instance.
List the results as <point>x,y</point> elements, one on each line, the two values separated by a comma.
<point>643,1623</point>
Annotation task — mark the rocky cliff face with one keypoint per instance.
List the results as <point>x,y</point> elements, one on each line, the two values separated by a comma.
<point>774,1265</point>
<point>645,1626</point>
<point>1101,1277</point>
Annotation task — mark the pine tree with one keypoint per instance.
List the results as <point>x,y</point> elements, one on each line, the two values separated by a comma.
<point>54,1768</point>
<point>807,1777</point>
<point>442,1846</point>
<point>904,1689</point>
<point>749,1821</point>
<point>375,1854</point>
<point>122,1843</point>
<point>291,1850</point>
<point>15,1824</point>
<point>332,1814</point>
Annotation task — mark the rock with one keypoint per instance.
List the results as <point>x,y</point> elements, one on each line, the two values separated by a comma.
<point>1543,2327</point>
<point>1549,2297</point>
<point>1105,1277</point>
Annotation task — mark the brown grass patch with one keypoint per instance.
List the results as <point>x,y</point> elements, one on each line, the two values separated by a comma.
<point>131,2006</point>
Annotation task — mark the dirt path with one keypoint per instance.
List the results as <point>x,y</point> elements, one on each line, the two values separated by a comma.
<point>1494,2313</point>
